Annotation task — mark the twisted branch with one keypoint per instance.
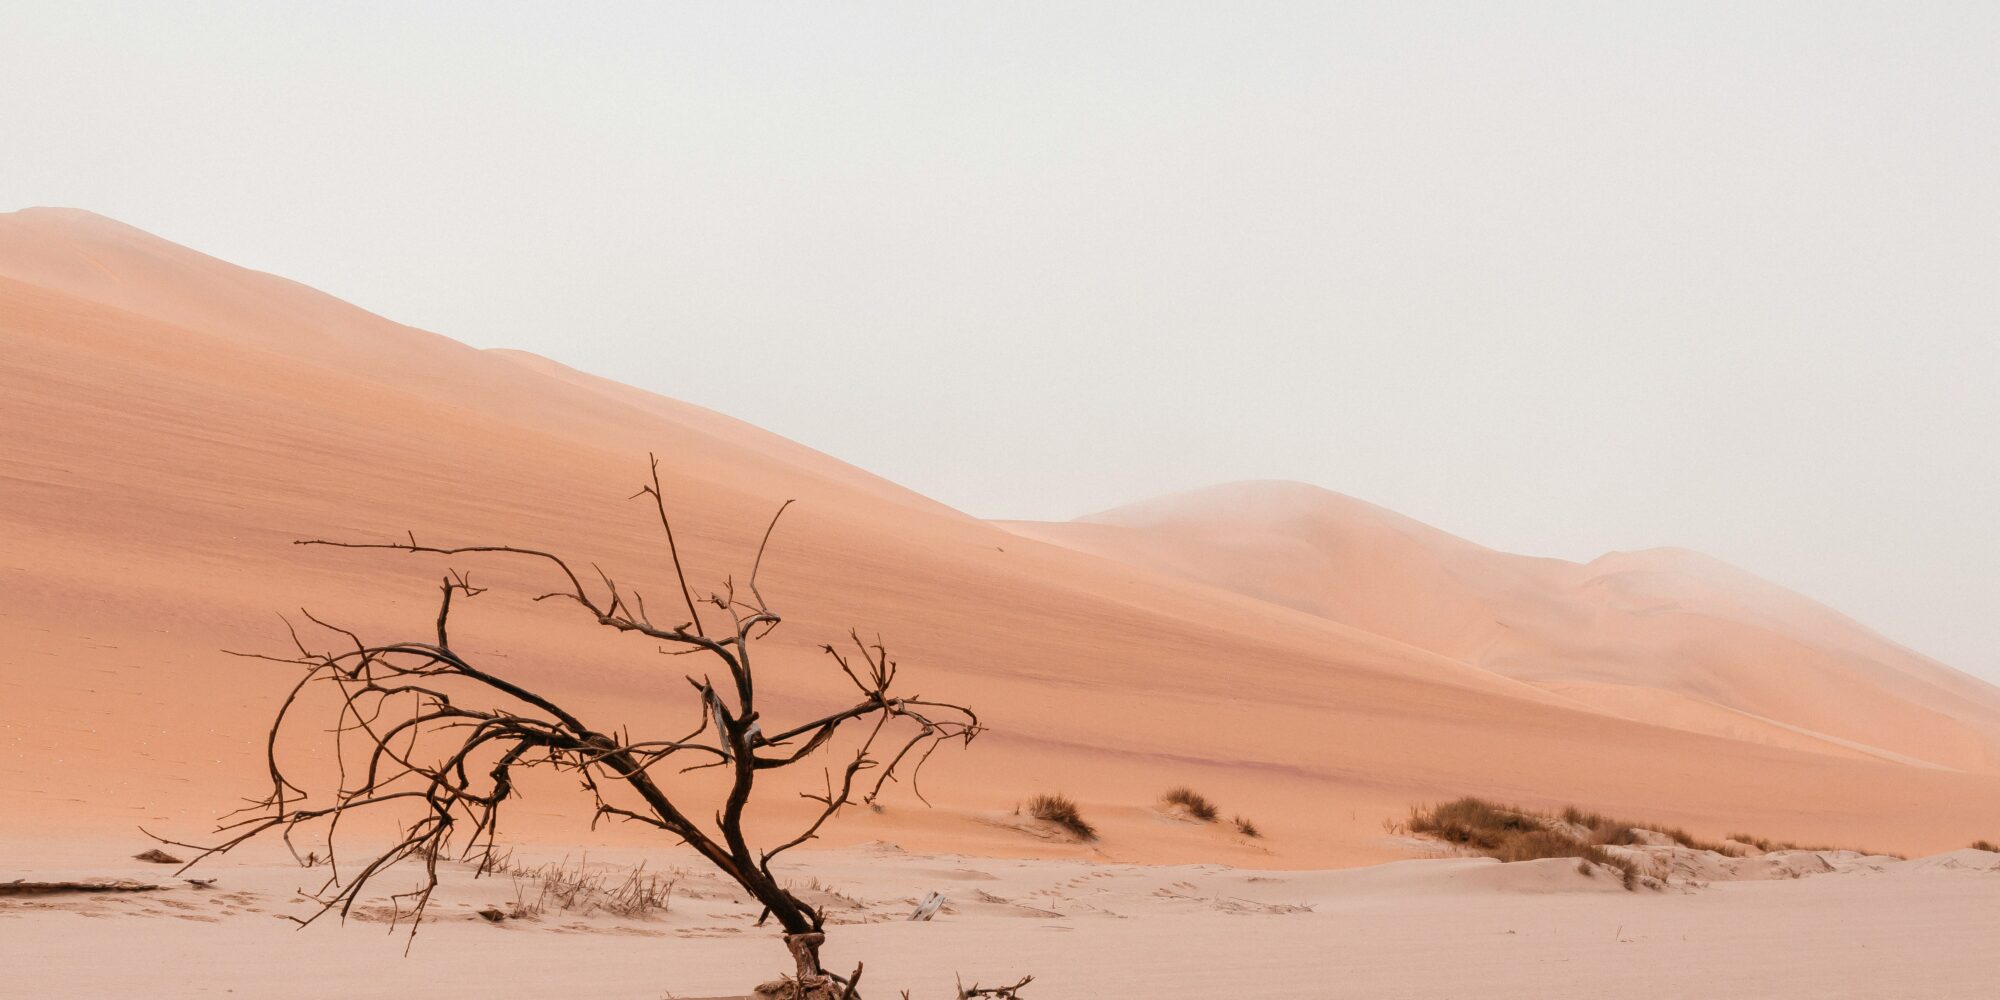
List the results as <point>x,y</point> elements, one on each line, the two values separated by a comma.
<point>446,737</point>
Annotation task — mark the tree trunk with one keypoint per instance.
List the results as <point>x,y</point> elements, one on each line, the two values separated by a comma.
<point>811,983</point>
<point>805,951</point>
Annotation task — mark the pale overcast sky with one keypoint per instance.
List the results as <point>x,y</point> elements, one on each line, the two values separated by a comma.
<point>1557,278</point>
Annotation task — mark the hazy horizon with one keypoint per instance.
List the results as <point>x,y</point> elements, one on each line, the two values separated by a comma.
<point>1559,279</point>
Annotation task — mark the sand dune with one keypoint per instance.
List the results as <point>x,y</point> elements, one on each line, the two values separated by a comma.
<point>1664,636</point>
<point>173,422</point>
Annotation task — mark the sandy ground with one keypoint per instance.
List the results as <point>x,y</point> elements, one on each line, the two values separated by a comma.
<point>1873,928</point>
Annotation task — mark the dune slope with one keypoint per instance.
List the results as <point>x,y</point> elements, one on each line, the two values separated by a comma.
<point>1665,635</point>
<point>174,422</point>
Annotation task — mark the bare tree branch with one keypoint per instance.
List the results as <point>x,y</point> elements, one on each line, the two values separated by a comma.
<point>441,741</point>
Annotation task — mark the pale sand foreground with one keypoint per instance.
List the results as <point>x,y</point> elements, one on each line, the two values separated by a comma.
<point>1458,927</point>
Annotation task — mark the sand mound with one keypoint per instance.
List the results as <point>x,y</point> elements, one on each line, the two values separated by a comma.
<point>1965,859</point>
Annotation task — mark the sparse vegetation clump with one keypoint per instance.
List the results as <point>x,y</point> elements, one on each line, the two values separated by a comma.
<point>1605,830</point>
<point>1764,844</point>
<point>1062,811</point>
<point>1512,834</point>
<point>1199,807</point>
<point>1474,823</point>
<point>1196,804</point>
<point>583,889</point>
<point>1985,845</point>
<point>1767,845</point>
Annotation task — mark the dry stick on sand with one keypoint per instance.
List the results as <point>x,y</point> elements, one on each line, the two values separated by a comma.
<point>997,992</point>
<point>23,887</point>
<point>420,727</point>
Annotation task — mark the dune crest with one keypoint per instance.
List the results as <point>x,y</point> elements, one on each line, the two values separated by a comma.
<point>1665,635</point>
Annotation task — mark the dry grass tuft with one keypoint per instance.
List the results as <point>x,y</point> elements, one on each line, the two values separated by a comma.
<point>1512,834</point>
<point>1246,828</point>
<point>579,888</point>
<point>1474,823</point>
<point>1194,802</point>
<point>1061,810</point>
<point>1985,845</point>
<point>1605,830</point>
<point>1764,844</point>
<point>1767,845</point>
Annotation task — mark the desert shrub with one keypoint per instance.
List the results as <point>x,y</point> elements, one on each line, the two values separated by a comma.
<point>1624,833</point>
<point>1513,834</point>
<point>1062,811</point>
<point>1471,822</point>
<point>1984,845</point>
<point>1246,828</point>
<point>1534,845</point>
<point>1194,802</point>
<point>1539,844</point>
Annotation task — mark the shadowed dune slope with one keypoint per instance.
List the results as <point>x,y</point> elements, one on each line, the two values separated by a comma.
<point>173,422</point>
<point>1664,635</point>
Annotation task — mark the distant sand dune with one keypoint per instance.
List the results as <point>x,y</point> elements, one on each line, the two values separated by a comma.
<point>1664,636</point>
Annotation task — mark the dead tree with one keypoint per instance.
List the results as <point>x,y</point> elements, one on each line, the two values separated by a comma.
<point>444,737</point>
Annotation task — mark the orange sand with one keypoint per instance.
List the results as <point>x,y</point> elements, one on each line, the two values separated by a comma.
<point>172,422</point>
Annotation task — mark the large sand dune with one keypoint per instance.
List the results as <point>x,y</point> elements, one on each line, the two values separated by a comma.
<point>1665,635</point>
<point>172,422</point>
